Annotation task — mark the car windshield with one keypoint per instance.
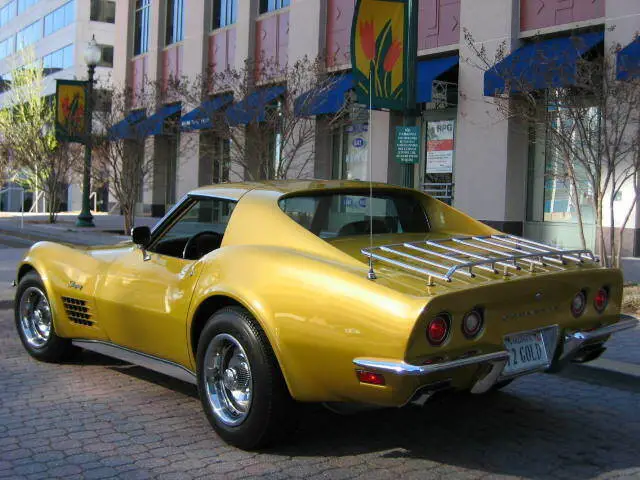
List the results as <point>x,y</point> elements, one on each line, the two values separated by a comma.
<point>331,215</point>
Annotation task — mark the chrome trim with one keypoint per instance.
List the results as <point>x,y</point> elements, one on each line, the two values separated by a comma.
<point>574,341</point>
<point>481,253</point>
<point>401,368</point>
<point>151,362</point>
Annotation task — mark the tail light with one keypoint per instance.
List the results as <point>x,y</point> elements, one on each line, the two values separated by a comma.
<point>579,303</point>
<point>370,377</point>
<point>601,300</point>
<point>472,323</point>
<point>438,329</point>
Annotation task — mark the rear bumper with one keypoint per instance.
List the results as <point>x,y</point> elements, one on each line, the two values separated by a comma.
<point>493,363</point>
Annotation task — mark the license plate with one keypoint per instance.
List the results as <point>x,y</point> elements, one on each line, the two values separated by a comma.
<point>526,352</point>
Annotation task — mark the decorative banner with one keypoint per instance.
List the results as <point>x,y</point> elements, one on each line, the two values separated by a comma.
<point>440,146</point>
<point>71,98</point>
<point>379,40</point>
<point>408,145</point>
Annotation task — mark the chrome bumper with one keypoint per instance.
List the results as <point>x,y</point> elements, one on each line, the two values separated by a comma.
<point>571,346</point>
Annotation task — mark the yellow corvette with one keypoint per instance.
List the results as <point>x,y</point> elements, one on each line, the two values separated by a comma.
<point>264,294</point>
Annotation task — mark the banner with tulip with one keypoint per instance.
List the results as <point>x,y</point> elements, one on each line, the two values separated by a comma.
<point>71,100</point>
<point>379,37</point>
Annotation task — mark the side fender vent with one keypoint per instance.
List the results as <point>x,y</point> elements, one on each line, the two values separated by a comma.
<point>77,311</point>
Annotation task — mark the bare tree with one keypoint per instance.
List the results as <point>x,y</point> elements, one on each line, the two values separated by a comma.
<point>122,159</point>
<point>264,135</point>
<point>591,124</point>
<point>27,131</point>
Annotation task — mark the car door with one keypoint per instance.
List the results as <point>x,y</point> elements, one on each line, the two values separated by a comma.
<point>145,295</point>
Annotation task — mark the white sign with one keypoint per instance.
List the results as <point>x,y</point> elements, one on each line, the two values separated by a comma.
<point>440,146</point>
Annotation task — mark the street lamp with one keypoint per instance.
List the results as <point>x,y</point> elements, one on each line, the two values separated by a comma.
<point>92,56</point>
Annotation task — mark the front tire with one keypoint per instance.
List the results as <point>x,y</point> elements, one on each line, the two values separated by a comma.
<point>35,323</point>
<point>241,387</point>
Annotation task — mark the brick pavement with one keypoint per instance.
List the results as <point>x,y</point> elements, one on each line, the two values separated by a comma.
<point>97,418</point>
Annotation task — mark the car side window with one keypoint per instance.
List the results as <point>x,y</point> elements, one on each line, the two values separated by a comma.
<point>203,222</point>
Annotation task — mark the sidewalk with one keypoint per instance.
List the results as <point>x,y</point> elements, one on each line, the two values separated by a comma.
<point>35,227</point>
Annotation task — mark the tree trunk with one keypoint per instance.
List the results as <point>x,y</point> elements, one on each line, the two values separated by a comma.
<point>574,185</point>
<point>602,248</point>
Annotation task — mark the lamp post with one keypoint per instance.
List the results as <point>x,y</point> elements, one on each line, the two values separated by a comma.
<point>92,55</point>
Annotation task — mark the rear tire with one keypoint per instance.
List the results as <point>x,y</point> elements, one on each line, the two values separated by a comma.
<point>35,323</point>
<point>241,387</point>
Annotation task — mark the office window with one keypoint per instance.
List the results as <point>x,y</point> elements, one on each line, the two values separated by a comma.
<point>6,47</point>
<point>141,39</point>
<point>224,13</point>
<point>271,5</point>
<point>106,59</point>
<point>103,11</point>
<point>7,13</point>
<point>60,18</point>
<point>58,60</point>
<point>175,21</point>
<point>24,4</point>
<point>29,35</point>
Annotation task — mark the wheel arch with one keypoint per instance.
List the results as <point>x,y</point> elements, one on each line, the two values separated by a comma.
<point>217,301</point>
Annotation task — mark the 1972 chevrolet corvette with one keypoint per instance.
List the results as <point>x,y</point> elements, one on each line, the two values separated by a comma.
<point>264,294</point>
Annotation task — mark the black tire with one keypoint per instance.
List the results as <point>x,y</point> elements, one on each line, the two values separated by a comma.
<point>271,412</point>
<point>52,348</point>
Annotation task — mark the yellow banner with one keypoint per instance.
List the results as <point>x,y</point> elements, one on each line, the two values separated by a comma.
<point>378,48</point>
<point>71,99</point>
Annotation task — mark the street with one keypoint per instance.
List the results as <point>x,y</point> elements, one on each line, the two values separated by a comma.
<point>100,418</point>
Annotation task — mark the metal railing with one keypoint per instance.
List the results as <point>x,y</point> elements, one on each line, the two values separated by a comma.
<point>461,256</point>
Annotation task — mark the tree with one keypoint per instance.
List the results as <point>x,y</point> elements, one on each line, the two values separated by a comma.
<point>590,123</point>
<point>123,161</point>
<point>267,136</point>
<point>27,131</point>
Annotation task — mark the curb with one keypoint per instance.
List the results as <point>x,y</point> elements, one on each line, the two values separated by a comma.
<point>622,368</point>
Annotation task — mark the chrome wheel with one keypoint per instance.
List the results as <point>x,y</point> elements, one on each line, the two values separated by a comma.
<point>227,379</point>
<point>35,317</point>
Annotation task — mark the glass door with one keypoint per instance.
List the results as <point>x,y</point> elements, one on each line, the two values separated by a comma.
<point>438,154</point>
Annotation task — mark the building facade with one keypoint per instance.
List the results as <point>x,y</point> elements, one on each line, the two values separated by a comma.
<point>57,32</point>
<point>471,156</point>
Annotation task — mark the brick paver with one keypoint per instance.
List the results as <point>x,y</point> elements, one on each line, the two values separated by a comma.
<point>98,418</point>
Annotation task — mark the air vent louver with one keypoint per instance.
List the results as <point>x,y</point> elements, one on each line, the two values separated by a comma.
<point>77,311</point>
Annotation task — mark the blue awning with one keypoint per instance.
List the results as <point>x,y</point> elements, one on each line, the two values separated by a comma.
<point>252,107</point>
<point>200,118</point>
<point>544,64</point>
<point>155,124</point>
<point>628,63</point>
<point>315,103</point>
<point>125,129</point>
<point>311,103</point>
<point>429,70</point>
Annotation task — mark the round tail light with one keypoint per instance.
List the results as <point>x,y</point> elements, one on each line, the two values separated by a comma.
<point>579,303</point>
<point>472,323</point>
<point>438,330</point>
<point>601,299</point>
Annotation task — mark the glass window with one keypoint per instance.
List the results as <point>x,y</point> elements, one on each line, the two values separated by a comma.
<point>206,217</point>
<point>107,56</point>
<point>58,60</point>
<point>271,5</point>
<point>29,35</point>
<point>350,152</point>
<point>224,13</point>
<point>24,4</point>
<point>7,13</point>
<point>103,11</point>
<point>60,18</point>
<point>141,38</point>
<point>349,213</point>
<point>175,21</point>
<point>6,47</point>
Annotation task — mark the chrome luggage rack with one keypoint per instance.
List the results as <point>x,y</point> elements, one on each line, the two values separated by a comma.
<point>462,255</point>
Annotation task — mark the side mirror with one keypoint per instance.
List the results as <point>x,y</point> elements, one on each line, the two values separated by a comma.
<point>141,236</point>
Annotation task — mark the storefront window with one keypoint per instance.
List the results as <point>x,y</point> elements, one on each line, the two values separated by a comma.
<point>351,152</point>
<point>439,153</point>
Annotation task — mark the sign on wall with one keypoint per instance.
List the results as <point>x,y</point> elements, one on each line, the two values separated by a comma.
<point>408,145</point>
<point>71,97</point>
<point>440,146</point>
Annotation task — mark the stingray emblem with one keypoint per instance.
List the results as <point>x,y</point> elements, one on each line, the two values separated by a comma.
<point>75,285</point>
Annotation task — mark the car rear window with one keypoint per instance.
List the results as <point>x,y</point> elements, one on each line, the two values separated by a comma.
<point>331,215</point>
